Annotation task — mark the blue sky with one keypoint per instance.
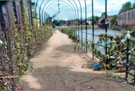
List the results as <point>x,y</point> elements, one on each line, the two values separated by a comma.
<point>66,12</point>
<point>113,6</point>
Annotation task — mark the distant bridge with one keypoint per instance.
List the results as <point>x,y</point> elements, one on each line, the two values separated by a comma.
<point>101,21</point>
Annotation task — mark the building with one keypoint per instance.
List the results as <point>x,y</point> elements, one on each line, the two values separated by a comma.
<point>127,18</point>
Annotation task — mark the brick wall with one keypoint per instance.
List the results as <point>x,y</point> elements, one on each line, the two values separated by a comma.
<point>127,18</point>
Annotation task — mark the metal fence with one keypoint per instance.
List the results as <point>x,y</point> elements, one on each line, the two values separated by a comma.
<point>41,10</point>
<point>83,37</point>
<point>128,65</point>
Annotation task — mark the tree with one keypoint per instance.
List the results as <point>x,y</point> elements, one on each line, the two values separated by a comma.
<point>126,6</point>
<point>96,18</point>
<point>103,14</point>
<point>114,20</point>
<point>133,5</point>
<point>56,22</point>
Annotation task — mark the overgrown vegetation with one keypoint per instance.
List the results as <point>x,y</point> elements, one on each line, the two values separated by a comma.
<point>116,51</point>
<point>71,32</point>
<point>114,23</point>
<point>117,54</point>
<point>17,46</point>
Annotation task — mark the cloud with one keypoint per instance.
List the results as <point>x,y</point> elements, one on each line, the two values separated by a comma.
<point>114,7</point>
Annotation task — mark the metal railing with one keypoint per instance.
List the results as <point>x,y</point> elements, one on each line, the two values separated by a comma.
<point>78,12</point>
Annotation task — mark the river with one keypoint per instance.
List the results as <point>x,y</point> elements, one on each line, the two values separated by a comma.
<point>96,38</point>
<point>97,32</point>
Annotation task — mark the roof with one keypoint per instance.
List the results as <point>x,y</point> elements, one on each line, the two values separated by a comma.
<point>126,10</point>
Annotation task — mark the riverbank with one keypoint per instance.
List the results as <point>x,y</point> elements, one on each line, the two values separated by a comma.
<point>75,27</point>
<point>88,27</point>
<point>123,28</point>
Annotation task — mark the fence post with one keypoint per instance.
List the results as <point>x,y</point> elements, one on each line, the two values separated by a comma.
<point>134,75</point>
<point>106,27</point>
<point>78,31</point>
<point>127,61</point>
<point>86,25</point>
<point>31,12</point>
<point>93,46</point>
<point>81,22</point>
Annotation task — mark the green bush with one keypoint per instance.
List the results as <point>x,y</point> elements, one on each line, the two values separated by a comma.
<point>71,32</point>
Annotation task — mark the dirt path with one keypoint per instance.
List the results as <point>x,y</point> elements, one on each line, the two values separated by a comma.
<point>58,68</point>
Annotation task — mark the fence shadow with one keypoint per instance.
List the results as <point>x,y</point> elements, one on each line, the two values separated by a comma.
<point>56,78</point>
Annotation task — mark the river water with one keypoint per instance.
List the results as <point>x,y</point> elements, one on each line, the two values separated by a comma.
<point>96,38</point>
<point>97,32</point>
